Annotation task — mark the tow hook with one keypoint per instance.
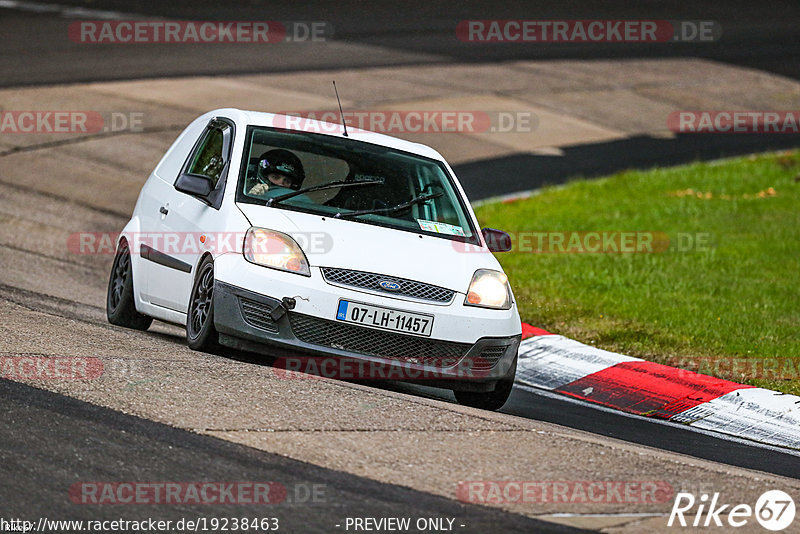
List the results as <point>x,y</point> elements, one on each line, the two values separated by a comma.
<point>286,304</point>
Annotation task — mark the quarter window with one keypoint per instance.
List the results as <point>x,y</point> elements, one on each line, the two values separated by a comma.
<point>209,160</point>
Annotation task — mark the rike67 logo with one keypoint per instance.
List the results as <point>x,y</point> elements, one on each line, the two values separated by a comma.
<point>774,510</point>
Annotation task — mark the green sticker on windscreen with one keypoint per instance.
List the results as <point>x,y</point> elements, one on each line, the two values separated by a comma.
<point>440,227</point>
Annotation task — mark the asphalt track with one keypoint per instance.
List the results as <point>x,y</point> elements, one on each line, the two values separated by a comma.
<point>84,442</point>
<point>539,405</point>
<point>35,51</point>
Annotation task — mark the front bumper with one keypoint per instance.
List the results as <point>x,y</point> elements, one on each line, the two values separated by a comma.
<point>252,321</point>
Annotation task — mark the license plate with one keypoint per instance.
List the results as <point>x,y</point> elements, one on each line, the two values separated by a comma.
<point>385,318</point>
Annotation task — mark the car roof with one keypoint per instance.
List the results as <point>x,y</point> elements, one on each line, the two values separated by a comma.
<point>258,118</point>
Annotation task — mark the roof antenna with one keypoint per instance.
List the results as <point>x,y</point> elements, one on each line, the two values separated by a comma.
<point>341,113</point>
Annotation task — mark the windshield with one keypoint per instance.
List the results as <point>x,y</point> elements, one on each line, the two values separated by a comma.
<point>351,179</point>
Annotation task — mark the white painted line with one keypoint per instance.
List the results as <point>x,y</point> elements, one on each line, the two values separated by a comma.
<point>550,362</point>
<point>67,11</point>
<point>35,7</point>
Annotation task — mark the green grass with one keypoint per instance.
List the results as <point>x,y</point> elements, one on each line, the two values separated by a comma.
<point>720,308</point>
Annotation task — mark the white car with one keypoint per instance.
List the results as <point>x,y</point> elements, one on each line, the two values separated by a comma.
<point>318,242</point>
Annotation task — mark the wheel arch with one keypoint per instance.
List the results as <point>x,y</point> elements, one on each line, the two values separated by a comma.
<point>128,235</point>
<point>200,260</point>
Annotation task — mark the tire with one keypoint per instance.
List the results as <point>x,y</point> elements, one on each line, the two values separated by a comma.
<point>200,332</point>
<point>490,400</point>
<point>120,308</point>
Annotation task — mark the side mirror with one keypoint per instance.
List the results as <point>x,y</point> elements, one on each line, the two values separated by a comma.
<point>199,186</point>
<point>496,240</point>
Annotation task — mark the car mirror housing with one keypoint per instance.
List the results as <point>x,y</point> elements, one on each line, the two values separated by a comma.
<point>496,240</point>
<point>193,184</point>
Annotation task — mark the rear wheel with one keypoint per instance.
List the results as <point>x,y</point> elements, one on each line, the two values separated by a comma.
<point>490,400</point>
<point>200,331</point>
<point>120,308</point>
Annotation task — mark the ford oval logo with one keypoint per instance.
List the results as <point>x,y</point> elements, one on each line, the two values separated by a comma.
<point>388,285</point>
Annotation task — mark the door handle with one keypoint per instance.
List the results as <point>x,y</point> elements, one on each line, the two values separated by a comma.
<point>163,210</point>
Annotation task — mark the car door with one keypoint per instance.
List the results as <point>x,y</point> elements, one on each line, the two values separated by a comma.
<point>183,218</point>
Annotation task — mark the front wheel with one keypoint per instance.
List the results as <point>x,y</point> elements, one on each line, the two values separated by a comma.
<point>200,331</point>
<point>120,308</point>
<point>490,400</point>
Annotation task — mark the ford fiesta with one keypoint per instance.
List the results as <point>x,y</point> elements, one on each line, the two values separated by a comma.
<point>282,237</point>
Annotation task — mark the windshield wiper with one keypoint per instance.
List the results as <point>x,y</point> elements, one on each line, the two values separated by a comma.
<point>417,200</point>
<point>329,185</point>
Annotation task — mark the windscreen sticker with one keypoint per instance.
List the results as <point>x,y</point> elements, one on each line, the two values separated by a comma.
<point>440,227</point>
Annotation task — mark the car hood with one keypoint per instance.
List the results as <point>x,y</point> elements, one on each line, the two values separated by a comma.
<point>346,244</point>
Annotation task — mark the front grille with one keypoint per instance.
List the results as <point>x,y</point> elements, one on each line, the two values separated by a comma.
<point>408,288</point>
<point>489,357</point>
<point>408,349</point>
<point>257,315</point>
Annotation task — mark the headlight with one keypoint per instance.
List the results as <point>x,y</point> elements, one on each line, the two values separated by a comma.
<point>275,250</point>
<point>489,289</point>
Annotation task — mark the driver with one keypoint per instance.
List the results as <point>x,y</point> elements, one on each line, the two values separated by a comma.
<point>279,172</point>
